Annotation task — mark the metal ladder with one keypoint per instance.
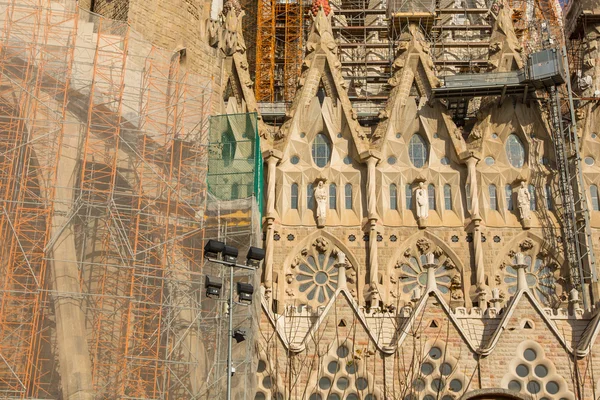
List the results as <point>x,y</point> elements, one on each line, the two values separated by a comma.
<point>577,235</point>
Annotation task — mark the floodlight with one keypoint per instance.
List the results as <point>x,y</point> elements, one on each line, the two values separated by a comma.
<point>239,335</point>
<point>213,247</point>
<point>255,256</point>
<point>230,254</point>
<point>245,291</point>
<point>213,287</point>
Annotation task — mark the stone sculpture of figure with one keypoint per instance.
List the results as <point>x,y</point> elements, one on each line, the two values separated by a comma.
<point>524,202</point>
<point>422,201</point>
<point>321,199</point>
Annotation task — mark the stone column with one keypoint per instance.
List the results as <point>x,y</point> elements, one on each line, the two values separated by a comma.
<point>371,185</point>
<point>481,289</point>
<point>272,158</point>
<point>73,353</point>
<point>472,182</point>
<point>430,266</point>
<point>372,215</point>
<point>520,266</point>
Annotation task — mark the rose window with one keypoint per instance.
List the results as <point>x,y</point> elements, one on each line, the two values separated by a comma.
<point>413,275</point>
<point>318,276</point>
<point>540,279</point>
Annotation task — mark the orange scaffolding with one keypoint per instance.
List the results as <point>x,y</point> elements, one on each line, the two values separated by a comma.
<point>88,107</point>
<point>279,40</point>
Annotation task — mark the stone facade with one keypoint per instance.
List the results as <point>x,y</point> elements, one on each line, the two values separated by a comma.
<point>471,300</point>
<point>374,302</point>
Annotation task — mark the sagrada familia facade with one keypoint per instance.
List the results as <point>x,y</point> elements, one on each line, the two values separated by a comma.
<point>408,256</point>
<point>408,260</point>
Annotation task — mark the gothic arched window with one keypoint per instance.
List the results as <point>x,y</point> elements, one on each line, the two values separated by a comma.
<point>508,192</point>
<point>332,196</point>
<point>321,150</point>
<point>417,150</point>
<point>493,197</point>
<point>431,195</point>
<point>595,202</point>
<point>408,195</point>
<point>532,202</point>
<point>393,197</point>
<point>294,197</point>
<point>515,151</point>
<point>310,196</point>
<point>447,197</point>
<point>348,196</point>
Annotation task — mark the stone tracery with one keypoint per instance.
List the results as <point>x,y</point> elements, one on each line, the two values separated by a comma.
<point>314,273</point>
<point>409,279</point>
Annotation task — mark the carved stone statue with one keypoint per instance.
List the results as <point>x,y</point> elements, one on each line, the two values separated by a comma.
<point>422,201</point>
<point>523,202</point>
<point>321,199</point>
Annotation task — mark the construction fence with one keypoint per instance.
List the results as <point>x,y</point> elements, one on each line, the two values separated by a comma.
<point>104,210</point>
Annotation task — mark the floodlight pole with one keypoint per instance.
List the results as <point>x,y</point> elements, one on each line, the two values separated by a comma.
<point>230,303</point>
<point>229,339</point>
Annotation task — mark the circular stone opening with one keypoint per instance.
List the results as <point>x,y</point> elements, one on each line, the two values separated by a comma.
<point>522,370</point>
<point>333,367</point>
<point>321,278</point>
<point>419,384</point>
<point>533,387</point>
<point>552,387</point>
<point>361,383</point>
<point>541,371</point>
<point>342,383</point>
<point>261,366</point>
<point>515,386</point>
<point>435,352</point>
<point>342,351</point>
<point>427,368</point>
<point>324,383</point>
<point>530,354</point>
<point>456,385</point>
<point>445,369</point>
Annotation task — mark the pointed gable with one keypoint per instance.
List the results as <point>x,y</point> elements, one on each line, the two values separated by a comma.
<point>321,76</point>
<point>411,95</point>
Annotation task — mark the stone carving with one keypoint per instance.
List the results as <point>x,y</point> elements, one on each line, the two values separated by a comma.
<point>423,245</point>
<point>527,244</point>
<point>422,201</point>
<point>456,288</point>
<point>321,244</point>
<point>449,264</point>
<point>320,194</point>
<point>524,202</point>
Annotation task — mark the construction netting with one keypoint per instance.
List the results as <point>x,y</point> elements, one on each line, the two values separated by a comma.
<point>104,211</point>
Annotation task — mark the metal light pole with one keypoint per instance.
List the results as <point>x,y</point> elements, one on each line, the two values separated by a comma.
<point>229,339</point>
<point>255,256</point>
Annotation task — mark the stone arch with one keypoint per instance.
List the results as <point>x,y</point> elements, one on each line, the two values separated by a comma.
<point>543,260</point>
<point>307,242</point>
<point>446,253</point>
<point>494,394</point>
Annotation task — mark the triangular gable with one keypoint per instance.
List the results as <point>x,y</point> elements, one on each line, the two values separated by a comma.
<point>515,303</point>
<point>303,334</point>
<point>414,72</point>
<point>321,68</point>
<point>425,306</point>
